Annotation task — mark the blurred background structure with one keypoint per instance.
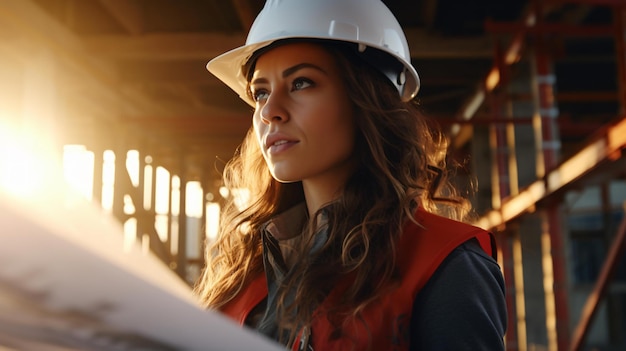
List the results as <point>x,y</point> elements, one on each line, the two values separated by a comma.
<point>532,95</point>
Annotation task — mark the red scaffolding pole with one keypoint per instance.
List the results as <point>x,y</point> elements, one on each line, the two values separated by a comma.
<point>591,305</point>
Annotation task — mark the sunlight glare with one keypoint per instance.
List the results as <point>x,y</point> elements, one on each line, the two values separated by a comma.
<point>212,220</point>
<point>194,199</point>
<point>241,197</point>
<point>175,202</point>
<point>23,167</point>
<point>78,169</point>
<point>147,187</point>
<point>161,202</point>
<point>132,166</point>
<point>162,196</point>
<point>108,180</point>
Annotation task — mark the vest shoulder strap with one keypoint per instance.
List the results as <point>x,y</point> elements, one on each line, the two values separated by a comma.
<point>253,293</point>
<point>425,245</point>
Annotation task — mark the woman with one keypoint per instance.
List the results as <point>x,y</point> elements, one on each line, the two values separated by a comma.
<point>344,243</point>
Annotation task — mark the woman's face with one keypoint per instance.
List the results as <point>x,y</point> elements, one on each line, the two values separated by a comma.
<point>303,118</point>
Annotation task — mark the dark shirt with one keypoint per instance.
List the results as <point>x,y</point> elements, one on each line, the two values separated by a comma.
<point>462,307</point>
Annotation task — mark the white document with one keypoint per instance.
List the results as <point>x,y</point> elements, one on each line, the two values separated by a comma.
<point>68,283</point>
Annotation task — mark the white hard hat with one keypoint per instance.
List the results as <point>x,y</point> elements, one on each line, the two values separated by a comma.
<point>368,23</point>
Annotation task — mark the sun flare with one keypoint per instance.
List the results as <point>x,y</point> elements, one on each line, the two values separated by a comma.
<point>23,168</point>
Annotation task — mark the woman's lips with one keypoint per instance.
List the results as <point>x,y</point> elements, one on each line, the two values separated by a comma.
<point>278,140</point>
<point>280,146</point>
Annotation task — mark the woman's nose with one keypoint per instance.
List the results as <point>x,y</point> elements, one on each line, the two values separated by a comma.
<point>274,111</point>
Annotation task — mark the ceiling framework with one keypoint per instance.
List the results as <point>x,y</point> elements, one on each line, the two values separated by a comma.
<point>139,65</point>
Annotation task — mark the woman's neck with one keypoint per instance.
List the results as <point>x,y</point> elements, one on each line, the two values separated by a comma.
<point>317,197</point>
<point>324,189</point>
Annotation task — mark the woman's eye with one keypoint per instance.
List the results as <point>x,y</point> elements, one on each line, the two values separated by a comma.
<point>259,95</point>
<point>301,83</point>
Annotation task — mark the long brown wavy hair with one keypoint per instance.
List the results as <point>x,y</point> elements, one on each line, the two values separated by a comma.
<point>402,165</point>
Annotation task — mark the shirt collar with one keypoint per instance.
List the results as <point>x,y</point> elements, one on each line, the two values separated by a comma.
<point>288,224</point>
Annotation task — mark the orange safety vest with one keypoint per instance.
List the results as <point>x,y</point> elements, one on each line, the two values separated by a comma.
<point>387,321</point>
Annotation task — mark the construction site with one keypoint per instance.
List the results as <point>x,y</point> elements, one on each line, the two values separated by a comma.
<point>530,93</point>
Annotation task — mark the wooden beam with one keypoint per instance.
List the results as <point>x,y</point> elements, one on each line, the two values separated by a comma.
<point>156,72</point>
<point>428,12</point>
<point>205,46</point>
<point>36,30</point>
<point>245,13</point>
<point>126,13</point>
<point>224,123</point>
<point>163,46</point>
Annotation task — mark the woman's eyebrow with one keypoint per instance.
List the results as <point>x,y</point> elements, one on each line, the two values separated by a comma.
<point>258,81</point>
<point>291,70</point>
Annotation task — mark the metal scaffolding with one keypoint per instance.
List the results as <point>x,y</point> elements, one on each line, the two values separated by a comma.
<point>553,174</point>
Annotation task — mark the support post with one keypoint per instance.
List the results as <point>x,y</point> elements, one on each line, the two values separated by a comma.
<point>553,251</point>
